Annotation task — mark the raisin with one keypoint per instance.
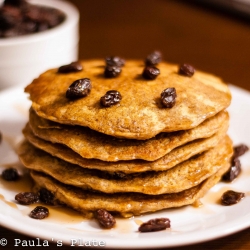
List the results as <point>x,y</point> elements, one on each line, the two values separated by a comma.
<point>26,198</point>
<point>112,71</point>
<point>105,219</point>
<point>72,67</point>
<point>168,97</point>
<point>46,196</point>
<point>240,150</point>
<point>153,59</point>
<point>118,175</point>
<point>10,174</point>
<point>231,197</point>
<point>39,213</point>
<point>150,72</point>
<point>79,88</point>
<point>155,225</point>
<point>111,98</point>
<point>1,137</point>
<point>234,170</point>
<point>114,61</point>
<point>186,70</point>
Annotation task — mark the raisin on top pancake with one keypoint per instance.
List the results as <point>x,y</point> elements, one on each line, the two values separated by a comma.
<point>140,114</point>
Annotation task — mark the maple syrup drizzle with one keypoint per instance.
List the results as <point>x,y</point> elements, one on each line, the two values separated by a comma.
<point>57,214</point>
<point>197,204</point>
<point>138,222</point>
<point>9,203</point>
<point>23,184</point>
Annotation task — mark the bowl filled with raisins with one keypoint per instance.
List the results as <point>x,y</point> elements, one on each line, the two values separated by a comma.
<point>35,35</point>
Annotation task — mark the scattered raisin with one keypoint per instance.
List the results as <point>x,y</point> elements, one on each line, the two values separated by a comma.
<point>168,97</point>
<point>79,88</point>
<point>10,174</point>
<point>234,170</point>
<point>114,61</point>
<point>105,219</point>
<point>231,197</point>
<point>39,213</point>
<point>46,196</point>
<point>240,150</point>
<point>112,71</point>
<point>155,225</point>
<point>186,70</point>
<point>111,98</point>
<point>72,67</point>
<point>153,59</point>
<point>26,198</point>
<point>150,72</point>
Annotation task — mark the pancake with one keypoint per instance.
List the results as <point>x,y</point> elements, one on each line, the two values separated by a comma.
<point>125,204</point>
<point>169,160</point>
<point>91,144</point>
<point>183,176</point>
<point>140,114</point>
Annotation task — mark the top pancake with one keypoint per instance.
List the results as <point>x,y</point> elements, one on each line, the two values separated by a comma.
<point>140,114</point>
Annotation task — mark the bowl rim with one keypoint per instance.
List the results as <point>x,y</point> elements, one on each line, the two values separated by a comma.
<point>72,18</point>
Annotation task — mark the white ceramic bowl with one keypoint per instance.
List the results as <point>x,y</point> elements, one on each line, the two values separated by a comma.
<point>23,58</point>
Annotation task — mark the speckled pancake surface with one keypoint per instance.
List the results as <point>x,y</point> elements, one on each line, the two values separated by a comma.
<point>91,144</point>
<point>140,114</point>
<point>183,176</point>
<point>169,160</point>
<point>126,204</point>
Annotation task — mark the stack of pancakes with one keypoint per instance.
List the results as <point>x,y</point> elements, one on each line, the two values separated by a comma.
<point>136,156</point>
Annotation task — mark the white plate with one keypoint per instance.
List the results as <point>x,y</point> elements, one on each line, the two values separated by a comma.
<point>188,224</point>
